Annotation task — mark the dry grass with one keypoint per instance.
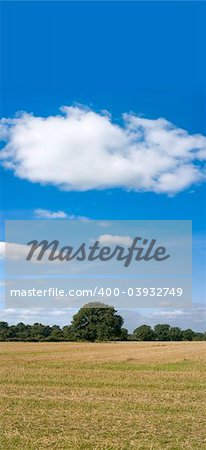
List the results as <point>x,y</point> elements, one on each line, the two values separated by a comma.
<point>103,396</point>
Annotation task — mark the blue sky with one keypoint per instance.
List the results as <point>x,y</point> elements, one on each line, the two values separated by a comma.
<point>139,57</point>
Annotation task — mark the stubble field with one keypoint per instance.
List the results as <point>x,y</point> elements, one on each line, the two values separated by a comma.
<point>100,396</point>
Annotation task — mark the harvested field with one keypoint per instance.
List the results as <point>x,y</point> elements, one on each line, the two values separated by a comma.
<point>103,396</point>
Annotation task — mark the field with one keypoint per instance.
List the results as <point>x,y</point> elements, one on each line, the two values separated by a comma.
<point>103,396</point>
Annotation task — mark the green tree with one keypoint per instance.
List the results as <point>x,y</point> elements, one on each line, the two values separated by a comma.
<point>162,332</point>
<point>39,332</point>
<point>97,322</point>
<point>175,334</point>
<point>188,335</point>
<point>144,333</point>
<point>4,331</point>
<point>198,336</point>
<point>20,332</point>
<point>55,334</point>
<point>68,334</point>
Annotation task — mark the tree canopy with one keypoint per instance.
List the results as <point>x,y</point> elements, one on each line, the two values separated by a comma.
<point>95,322</point>
<point>144,333</point>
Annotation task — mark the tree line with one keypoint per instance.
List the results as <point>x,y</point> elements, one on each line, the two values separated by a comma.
<point>95,322</point>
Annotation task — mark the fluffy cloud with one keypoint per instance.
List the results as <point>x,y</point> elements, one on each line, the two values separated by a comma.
<point>80,150</point>
<point>13,251</point>
<point>116,240</point>
<point>19,252</point>
<point>45,214</point>
<point>46,316</point>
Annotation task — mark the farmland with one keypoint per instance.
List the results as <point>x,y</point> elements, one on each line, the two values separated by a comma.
<point>98,396</point>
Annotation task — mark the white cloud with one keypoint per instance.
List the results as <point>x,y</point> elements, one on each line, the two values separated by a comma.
<point>2,250</point>
<point>13,251</point>
<point>45,214</point>
<point>46,316</point>
<point>194,315</point>
<point>116,240</point>
<point>19,252</point>
<point>80,218</point>
<point>81,150</point>
<point>169,314</point>
<point>104,223</point>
